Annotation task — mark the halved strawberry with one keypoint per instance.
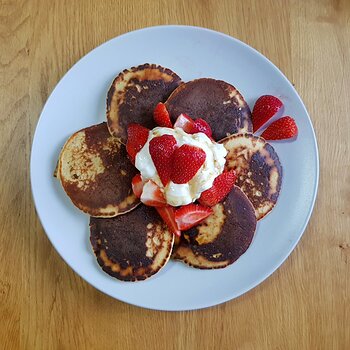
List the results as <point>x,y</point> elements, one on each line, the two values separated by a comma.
<point>161,149</point>
<point>167,213</point>
<point>161,116</point>
<point>137,185</point>
<point>283,128</point>
<point>200,125</point>
<point>184,122</point>
<point>137,137</point>
<point>190,215</point>
<point>222,185</point>
<point>265,108</point>
<point>152,195</point>
<point>191,126</point>
<point>186,161</point>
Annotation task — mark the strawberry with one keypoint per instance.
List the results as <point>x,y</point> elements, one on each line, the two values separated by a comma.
<point>190,215</point>
<point>222,185</point>
<point>283,128</point>
<point>200,125</point>
<point>137,137</point>
<point>152,195</point>
<point>265,108</point>
<point>137,185</point>
<point>167,213</point>
<point>184,122</point>
<point>161,149</point>
<point>191,126</point>
<point>161,116</point>
<point>186,161</point>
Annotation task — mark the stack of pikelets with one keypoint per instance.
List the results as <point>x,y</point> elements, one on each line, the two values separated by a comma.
<point>130,240</point>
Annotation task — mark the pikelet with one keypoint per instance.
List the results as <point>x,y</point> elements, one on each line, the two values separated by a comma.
<point>258,169</point>
<point>217,102</point>
<point>131,252</point>
<point>96,174</point>
<point>223,237</point>
<point>134,94</point>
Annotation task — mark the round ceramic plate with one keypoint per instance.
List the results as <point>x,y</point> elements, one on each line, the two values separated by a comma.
<point>79,101</point>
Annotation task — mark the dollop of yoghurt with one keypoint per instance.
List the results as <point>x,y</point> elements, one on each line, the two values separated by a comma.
<point>182,194</point>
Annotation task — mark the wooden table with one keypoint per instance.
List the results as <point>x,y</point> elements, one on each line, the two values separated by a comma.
<point>304,305</point>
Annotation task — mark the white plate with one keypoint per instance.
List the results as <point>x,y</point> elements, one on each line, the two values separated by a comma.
<point>79,101</point>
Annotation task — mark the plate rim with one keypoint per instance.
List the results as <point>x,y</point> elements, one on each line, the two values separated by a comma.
<point>315,187</point>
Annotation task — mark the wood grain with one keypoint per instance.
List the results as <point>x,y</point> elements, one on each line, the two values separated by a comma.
<point>304,305</point>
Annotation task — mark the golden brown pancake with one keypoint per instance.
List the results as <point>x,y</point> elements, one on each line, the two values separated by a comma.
<point>215,101</point>
<point>259,171</point>
<point>131,247</point>
<point>134,94</point>
<point>223,237</point>
<point>96,173</point>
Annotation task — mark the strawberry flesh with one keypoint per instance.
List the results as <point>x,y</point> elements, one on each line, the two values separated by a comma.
<point>167,213</point>
<point>281,129</point>
<point>137,137</point>
<point>222,186</point>
<point>137,185</point>
<point>161,116</point>
<point>184,122</point>
<point>190,215</point>
<point>186,161</point>
<point>264,109</point>
<point>191,126</point>
<point>152,195</point>
<point>161,150</point>
<point>200,125</point>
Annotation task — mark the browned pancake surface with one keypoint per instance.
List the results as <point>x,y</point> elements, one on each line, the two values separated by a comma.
<point>131,247</point>
<point>134,94</point>
<point>223,237</point>
<point>258,169</point>
<point>96,174</point>
<point>216,101</point>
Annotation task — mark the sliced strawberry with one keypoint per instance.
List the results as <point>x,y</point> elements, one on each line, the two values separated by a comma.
<point>184,122</point>
<point>161,149</point>
<point>186,161</point>
<point>200,125</point>
<point>265,108</point>
<point>167,213</point>
<point>137,137</point>
<point>190,215</point>
<point>283,128</point>
<point>137,185</point>
<point>222,185</point>
<point>161,116</point>
<point>152,195</point>
<point>191,126</point>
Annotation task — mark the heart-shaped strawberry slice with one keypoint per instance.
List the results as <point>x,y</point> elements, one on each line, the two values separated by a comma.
<point>161,150</point>
<point>186,162</point>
